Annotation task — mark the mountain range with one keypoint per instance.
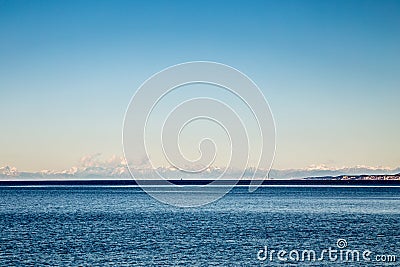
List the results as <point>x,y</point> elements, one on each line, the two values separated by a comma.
<point>120,171</point>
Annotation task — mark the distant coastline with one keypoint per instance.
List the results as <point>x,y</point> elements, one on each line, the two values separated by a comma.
<point>382,177</point>
<point>121,172</point>
<point>341,180</point>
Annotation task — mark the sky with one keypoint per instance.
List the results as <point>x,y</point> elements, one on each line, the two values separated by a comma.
<point>330,71</point>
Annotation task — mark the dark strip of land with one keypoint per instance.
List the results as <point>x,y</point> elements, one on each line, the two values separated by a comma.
<point>200,182</point>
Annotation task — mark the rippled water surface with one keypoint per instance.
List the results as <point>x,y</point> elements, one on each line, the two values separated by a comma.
<point>123,226</point>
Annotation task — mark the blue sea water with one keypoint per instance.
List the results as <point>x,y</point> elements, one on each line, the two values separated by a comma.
<point>101,226</point>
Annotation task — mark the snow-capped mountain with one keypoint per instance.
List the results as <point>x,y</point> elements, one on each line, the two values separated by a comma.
<point>8,171</point>
<point>121,171</point>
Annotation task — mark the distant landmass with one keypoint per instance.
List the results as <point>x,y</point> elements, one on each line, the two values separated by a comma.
<point>121,172</point>
<point>357,177</point>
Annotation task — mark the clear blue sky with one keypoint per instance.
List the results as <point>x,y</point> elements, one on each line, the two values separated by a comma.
<point>329,69</point>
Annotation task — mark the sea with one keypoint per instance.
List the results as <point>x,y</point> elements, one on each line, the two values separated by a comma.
<point>273,226</point>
